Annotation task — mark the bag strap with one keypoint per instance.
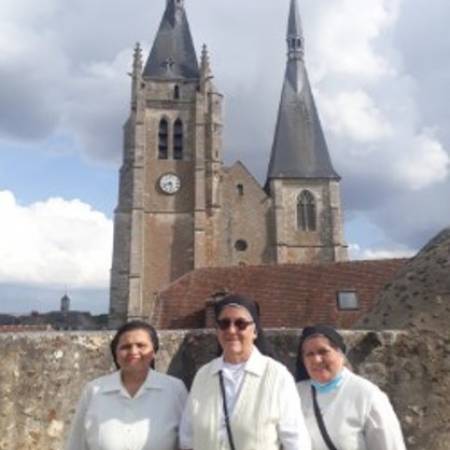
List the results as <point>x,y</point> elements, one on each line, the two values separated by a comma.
<point>320,422</point>
<point>225,412</point>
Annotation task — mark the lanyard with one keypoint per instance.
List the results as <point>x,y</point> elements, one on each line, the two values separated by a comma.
<point>225,412</point>
<point>320,421</point>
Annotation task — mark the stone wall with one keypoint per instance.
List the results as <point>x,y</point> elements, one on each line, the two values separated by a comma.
<point>418,300</point>
<point>42,374</point>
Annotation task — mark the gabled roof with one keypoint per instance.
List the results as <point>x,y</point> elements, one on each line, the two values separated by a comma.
<point>239,167</point>
<point>290,295</point>
<point>299,149</point>
<point>173,54</point>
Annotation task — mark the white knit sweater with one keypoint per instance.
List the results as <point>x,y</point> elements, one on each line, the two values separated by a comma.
<point>357,416</point>
<point>256,415</point>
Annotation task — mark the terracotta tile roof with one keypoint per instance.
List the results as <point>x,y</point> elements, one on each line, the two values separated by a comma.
<point>289,295</point>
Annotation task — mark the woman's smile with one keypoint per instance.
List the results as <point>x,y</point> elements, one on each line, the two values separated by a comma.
<point>236,334</point>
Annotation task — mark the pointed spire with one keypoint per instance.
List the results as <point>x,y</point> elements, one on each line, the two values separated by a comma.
<point>299,148</point>
<point>137,59</point>
<point>173,54</point>
<point>295,40</point>
<point>174,9</point>
<point>136,76</point>
<point>205,66</point>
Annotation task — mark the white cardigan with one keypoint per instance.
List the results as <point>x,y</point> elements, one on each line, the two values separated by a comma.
<point>357,416</point>
<point>258,414</point>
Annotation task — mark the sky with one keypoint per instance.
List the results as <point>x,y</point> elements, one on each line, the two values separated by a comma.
<point>380,73</point>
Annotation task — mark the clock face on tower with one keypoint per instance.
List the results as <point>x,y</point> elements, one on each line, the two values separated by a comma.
<point>169,183</point>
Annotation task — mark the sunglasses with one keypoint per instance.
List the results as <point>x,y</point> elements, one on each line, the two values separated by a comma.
<point>240,324</point>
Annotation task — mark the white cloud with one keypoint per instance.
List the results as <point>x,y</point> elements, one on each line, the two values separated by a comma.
<point>376,65</point>
<point>29,13</point>
<point>54,243</point>
<point>96,106</point>
<point>423,163</point>
<point>46,91</point>
<point>347,34</point>
<point>354,115</point>
<point>371,112</point>
<point>358,253</point>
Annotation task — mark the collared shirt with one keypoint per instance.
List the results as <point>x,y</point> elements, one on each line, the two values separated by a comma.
<point>108,418</point>
<point>292,431</point>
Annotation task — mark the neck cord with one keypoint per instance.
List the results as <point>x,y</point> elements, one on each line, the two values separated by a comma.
<point>225,412</point>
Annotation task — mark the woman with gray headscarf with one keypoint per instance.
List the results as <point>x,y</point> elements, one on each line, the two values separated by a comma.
<point>243,400</point>
<point>342,410</point>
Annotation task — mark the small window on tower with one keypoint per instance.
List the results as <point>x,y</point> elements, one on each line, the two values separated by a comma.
<point>306,212</point>
<point>163,139</point>
<point>178,139</point>
<point>347,300</point>
<point>176,92</point>
<point>240,189</point>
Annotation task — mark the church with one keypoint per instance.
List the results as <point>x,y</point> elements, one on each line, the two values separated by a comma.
<point>180,209</point>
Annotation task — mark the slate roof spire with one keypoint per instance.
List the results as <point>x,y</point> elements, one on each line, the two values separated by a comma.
<point>299,149</point>
<point>295,38</point>
<point>173,54</point>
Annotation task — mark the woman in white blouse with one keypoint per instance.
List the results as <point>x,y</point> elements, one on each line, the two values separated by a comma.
<point>134,408</point>
<point>242,400</point>
<point>343,411</point>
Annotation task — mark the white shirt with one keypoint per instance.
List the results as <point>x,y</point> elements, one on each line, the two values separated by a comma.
<point>292,431</point>
<point>108,418</point>
<point>233,376</point>
<point>357,416</point>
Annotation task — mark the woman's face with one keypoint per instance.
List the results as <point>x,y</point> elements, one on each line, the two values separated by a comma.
<point>236,333</point>
<point>322,361</point>
<point>134,351</point>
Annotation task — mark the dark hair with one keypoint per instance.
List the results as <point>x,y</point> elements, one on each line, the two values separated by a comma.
<point>131,326</point>
<point>336,341</point>
<point>253,309</point>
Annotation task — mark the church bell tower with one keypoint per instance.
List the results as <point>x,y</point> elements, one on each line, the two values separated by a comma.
<point>168,183</point>
<point>301,179</point>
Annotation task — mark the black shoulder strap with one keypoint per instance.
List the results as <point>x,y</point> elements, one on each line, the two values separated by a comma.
<point>319,419</point>
<point>225,412</point>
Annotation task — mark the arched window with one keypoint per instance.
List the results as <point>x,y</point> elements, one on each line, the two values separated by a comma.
<point>176,92</point>
<point>306,212</point>
<point>163,139</point>
<point>178,139</point>
<point>240,189</point>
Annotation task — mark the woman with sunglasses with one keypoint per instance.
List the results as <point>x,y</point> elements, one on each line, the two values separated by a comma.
<point>133,408</point>
<point>342,409</point>
<point>243,400</point>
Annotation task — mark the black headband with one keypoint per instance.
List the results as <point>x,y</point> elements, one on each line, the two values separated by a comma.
<point>325,330</point>
<point>317,330</point>
<point>253,309</point>
<point>238,300</point>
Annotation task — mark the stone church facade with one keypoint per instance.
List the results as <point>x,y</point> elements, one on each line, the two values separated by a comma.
<point>181,209</point>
